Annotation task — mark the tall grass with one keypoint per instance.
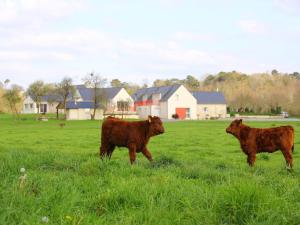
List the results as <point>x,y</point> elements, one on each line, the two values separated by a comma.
<point>199,176</point>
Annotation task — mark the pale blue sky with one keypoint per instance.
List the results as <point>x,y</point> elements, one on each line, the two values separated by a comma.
<point>145,40</point>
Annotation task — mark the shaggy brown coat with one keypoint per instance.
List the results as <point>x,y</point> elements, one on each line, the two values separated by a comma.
<point>256,140</point>
<point>133,135</point>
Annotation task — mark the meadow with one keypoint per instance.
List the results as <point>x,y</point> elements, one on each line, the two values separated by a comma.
<point>199,176</point>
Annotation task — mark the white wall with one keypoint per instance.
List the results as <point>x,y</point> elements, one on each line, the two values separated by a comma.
<point>212,110</point>
<point>143,111</point>
<point>51,107</point>
<point>122,96</point>
<point>182,98</point>
<point>31,106</point>
<point>163,109</point>
<point>83,114</point>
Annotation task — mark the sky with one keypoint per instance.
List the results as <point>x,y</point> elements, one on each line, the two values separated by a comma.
<point>140,41</point>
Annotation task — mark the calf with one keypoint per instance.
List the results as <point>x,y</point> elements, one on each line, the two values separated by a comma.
<point>255,140</point>
<point>133,135</point>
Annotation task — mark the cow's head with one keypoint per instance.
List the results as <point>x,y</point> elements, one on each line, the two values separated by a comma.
<point>156,126</point>
<point>235,127</point>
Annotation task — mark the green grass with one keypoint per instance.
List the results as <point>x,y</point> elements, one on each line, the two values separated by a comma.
<point>199,176</point>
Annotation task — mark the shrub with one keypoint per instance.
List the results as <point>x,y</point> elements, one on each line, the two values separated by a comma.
<point>175,116</point>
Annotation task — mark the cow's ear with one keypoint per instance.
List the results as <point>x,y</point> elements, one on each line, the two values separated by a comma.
<point>240,121</point>
<point>149,119</point>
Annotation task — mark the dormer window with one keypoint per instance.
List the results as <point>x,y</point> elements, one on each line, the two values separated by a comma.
<point>145,97</point>
<point>156,97</point>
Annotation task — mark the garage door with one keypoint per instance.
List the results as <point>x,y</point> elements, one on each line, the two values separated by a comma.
<point>181,112</point>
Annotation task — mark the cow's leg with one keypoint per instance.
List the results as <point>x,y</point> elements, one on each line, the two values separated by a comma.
<point>132,153</point>
<point>147,154</point>
<point>110,151</point>
<point>251,159</point>
<point>103,150</point>
<point>288,158</point>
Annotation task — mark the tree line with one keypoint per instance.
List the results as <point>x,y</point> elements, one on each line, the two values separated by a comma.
<point>261,93</point>
<point>256,93</point>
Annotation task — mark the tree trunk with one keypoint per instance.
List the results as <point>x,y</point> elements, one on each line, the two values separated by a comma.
<point>65,109</point>
<point>93,114</point>
<point>16,112</point>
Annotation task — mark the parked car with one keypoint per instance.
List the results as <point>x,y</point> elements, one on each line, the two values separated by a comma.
<point>284,114</point>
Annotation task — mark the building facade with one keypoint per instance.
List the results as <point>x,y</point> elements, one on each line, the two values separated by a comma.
<point>210,105</point>
<point>165,102</point>
<point>114,101</point>
<point>176,101</point>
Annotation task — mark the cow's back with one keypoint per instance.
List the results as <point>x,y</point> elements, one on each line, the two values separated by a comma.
<point>115,132</point>
<point>120,133</point>
<point>272,139</point>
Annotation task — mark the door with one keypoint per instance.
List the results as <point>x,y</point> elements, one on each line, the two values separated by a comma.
<point>181,112</point>
<point>43,108</point>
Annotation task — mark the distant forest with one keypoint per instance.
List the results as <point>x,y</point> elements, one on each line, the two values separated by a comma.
<point>251,93</point>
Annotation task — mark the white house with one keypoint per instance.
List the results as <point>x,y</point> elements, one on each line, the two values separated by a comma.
<point>165,102</point>
<point>80,106</point>
<point>210,105</point>
<point>48,105</point>
<point>117,102</point>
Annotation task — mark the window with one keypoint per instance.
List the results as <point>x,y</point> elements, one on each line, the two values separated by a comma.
<point>31,106</point>
<point>26,106</point>
<point>177,97</point>
<point>156,98</point>
<point>145,97</point>
<point>43,108</point>
<point>188,113</point>
<point>123,106</point>
<point>205,109</point>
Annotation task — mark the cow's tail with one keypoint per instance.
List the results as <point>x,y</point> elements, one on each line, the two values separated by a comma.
<point>293,139</point>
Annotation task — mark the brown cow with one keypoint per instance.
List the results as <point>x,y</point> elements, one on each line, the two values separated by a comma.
<point>133,135</point>
<point>256,140</point>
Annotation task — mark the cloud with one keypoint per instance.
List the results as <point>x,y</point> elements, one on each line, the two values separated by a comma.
<point>189,36</point>
<point>34,13</point>
<point>76,39</point>
<point>32,55</point>
<point>252,26</point>
<point>92,49</point>
<point>29,47</point>
<point>289,6</point>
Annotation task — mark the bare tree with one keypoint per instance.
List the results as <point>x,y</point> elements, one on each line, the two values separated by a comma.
<point>13,97</point>
<point>36,91</point>
<point>96,82</point>
<point>65,90</point>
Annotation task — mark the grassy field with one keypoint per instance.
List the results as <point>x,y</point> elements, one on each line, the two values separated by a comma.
<point>199,176</point>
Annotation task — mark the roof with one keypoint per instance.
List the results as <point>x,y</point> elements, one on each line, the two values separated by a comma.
<point>51,98</point>
<point>212,97</point>
<point>88,93</point>
<point>80,105</point>
<point>165,91</point>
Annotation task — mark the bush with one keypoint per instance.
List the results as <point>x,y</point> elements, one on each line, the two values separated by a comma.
<point>175,116</point>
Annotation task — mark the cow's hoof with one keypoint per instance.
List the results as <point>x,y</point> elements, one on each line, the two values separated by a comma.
<point>289,168</point>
